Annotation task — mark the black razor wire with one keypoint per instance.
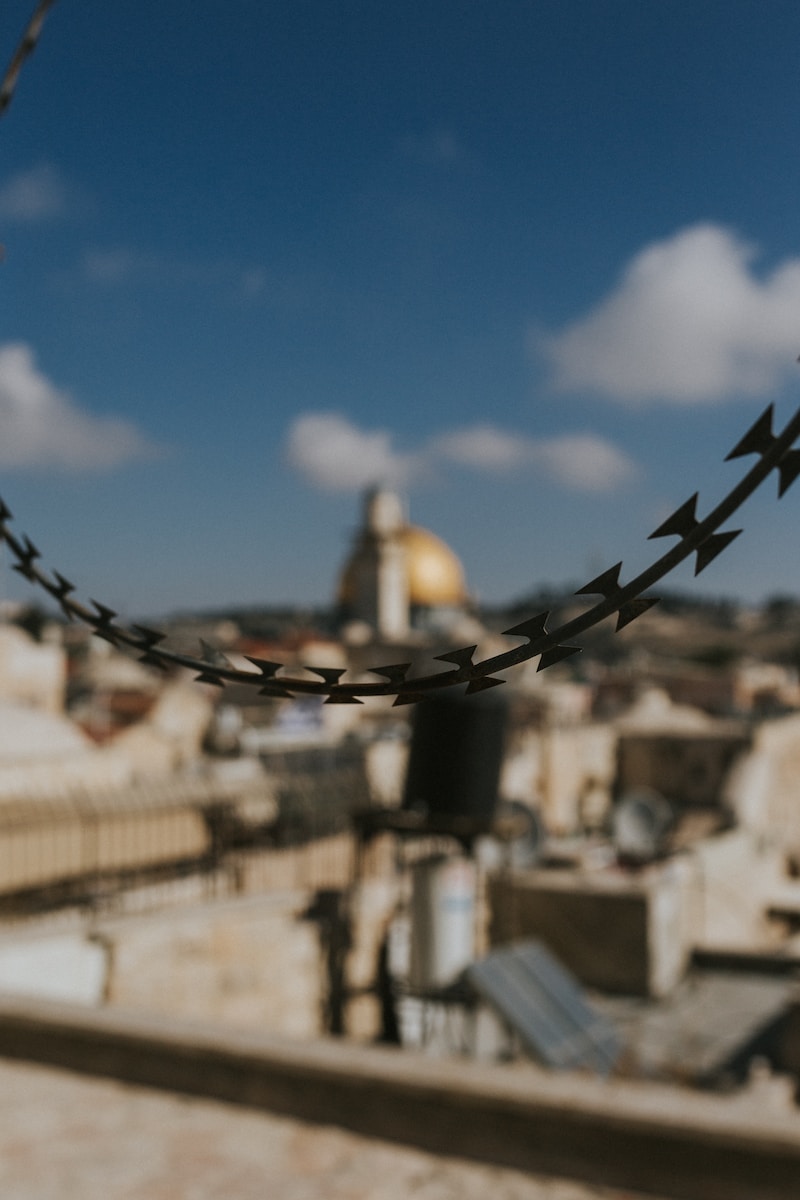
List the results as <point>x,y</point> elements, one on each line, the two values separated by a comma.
<point>702,537</point>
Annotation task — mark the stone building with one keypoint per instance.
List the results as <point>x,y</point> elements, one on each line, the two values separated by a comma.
<point>31,673</point>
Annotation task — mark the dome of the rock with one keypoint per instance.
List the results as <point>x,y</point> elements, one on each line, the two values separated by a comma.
<point>399,576</point>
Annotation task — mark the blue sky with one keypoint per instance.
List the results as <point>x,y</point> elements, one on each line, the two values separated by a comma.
<point>535,263</point>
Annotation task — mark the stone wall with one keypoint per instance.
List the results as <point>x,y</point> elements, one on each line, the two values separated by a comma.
<point>253,963</point>
<point>262,958</point>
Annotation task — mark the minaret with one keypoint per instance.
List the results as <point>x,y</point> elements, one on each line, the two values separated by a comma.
<point>381,577</point>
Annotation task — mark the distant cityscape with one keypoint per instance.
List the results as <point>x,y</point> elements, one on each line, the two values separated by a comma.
<point>592,871</point>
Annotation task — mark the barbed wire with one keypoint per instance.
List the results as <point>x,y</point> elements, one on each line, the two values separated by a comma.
<point>704,538</point>
<point>628,601</point>
<point>23,51</point>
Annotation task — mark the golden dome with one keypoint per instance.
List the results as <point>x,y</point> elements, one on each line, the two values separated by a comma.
<point>435,575</point>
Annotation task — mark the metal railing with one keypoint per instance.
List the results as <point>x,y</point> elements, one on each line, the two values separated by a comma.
<point>157,843</point>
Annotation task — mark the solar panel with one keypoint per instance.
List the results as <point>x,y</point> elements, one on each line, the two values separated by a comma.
<point>544,1005</point>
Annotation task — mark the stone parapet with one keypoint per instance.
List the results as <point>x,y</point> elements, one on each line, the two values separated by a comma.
<point>606,1132</point>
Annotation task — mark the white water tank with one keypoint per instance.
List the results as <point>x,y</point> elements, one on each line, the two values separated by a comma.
<point>442,921</point>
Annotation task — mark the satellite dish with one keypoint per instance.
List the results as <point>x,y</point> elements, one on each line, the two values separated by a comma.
<point>641,824</point>
<point>524,848</point>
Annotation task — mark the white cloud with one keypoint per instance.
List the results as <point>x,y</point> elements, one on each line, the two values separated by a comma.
<point>37,194</point>
<point>688,322</point>
<point>40,425</point>
<point>581,461</point>
<point>482,447</point>
<point>585,462</point>
<point>335,455</point>
<point>115,266</point>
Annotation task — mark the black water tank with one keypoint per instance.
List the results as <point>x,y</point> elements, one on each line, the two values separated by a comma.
<point>457,745</point>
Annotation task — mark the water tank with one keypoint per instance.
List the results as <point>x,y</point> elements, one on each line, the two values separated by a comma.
<point>442,921</point>
<point>456,753</point>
